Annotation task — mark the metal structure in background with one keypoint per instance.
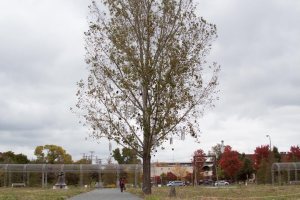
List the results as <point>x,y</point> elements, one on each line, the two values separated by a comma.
<point>286,173</point>
<point>81,169</point>
<point>202,160</point>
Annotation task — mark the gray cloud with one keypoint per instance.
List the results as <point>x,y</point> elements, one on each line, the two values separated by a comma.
<point>42,58</point>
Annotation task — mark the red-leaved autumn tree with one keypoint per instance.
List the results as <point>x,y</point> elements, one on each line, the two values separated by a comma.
<point>199,158</point>
<point>230,162</point>
<point>157,179</point>
<point>294,154</point>
<point>261,153</point>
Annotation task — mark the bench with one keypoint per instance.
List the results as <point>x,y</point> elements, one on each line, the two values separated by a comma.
<point>18,185</point>
<point>295,182</point>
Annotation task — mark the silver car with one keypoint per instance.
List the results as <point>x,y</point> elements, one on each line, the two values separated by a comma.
<point>221,183</point>
<point>176,183</point>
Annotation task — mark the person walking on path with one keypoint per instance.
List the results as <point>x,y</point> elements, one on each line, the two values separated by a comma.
<point>122,184</point>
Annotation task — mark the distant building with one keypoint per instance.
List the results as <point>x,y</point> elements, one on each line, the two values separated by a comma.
<point>159,168</point>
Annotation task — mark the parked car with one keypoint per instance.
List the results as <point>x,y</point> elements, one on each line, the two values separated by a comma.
<point>176,183</point>
<point>208,182</point>
<point>221,183</point>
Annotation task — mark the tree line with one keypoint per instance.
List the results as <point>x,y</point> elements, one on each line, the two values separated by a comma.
<point>234,166</point>
<point>49,153</point>
<point>229,164</point>
<point>53,154</point>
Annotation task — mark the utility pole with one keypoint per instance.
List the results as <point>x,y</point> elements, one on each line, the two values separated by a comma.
<point>92,152</point>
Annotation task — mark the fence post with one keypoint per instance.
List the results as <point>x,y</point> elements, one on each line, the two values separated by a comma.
<point>135,176</point>
<point>5,175</point>
<point>118,176</point>
<point>43,176</point>
<point>80,176</point>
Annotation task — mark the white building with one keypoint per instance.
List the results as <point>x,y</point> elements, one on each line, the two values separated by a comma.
<point>159,168</point>
<point>180,169</point>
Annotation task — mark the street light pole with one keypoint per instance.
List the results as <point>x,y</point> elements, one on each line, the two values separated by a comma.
<point>222,146</point>
<point>268,136</point>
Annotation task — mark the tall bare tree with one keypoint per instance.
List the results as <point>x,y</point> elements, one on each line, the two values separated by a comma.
<point>147,73</point>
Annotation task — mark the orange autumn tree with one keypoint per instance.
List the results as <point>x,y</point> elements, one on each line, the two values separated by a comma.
<point>230,162</point>
<point>179,171</point>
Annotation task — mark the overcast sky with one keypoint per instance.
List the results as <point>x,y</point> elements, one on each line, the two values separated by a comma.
<point>42,58</point>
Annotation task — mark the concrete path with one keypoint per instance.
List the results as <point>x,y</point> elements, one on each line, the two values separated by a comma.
<point>105,194</point>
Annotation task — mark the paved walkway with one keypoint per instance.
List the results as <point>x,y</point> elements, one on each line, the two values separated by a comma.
<point>105,194</point>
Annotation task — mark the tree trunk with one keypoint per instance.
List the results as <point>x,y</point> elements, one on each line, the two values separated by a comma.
<point>147,173</point>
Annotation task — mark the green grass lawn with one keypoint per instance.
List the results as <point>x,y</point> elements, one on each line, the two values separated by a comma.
<point>38,193</point>
<point>232,192</point>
